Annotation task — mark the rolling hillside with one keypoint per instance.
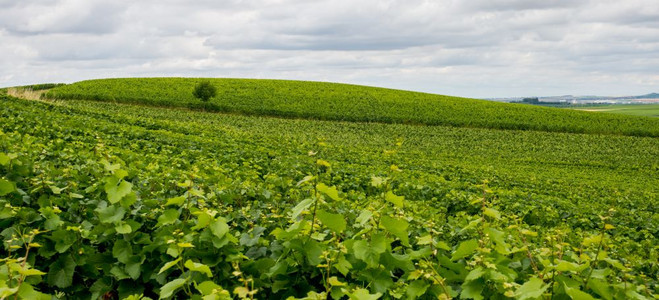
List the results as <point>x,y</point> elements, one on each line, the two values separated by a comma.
<point>330,101</point>
<point>311,190</point>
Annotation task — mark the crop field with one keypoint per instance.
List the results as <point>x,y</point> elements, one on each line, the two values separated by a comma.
<point>125,189</point>
<point>648,110</point>
<point>330,101</point>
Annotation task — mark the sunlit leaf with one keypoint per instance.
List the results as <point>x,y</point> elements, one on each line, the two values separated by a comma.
<point>397,227</point>
<point>465,249</point>
<point>168,265</point>
<point>169,288</point>
<point>335,222</point>
<point>198,267</point>
<point>396,200</point>
<point>178,201</point>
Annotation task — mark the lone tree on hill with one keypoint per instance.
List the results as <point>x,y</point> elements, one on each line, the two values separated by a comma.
<point>204,91</point>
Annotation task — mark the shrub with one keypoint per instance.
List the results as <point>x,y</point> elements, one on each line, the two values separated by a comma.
<point>204,91</point>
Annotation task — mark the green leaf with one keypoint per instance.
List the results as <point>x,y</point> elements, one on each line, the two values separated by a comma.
<point>443,245</point>
<point>26,291</point>
<point>60,272</point>
<point>109,167</point>
<point>198,267</point>
<point>565,266</point>
<point>6,292</point>
<point>119,273</point>
<point>100,287</point>
<point>528,232</point>
<point>416,289</point>
<point>424,240</point>
<point>186,184</point>
<point>335,222</point>
<point>122,251</point>
<point>465,249</point>
<point>397,227</point>
<point>203,220</point>
<point>363,251</point>
<point>76,195</point>
<point>363,294</point>
<point>377,181</point>
<point>601,273</point>
<point>168,265</point>
<point>219,227</point>
<point>343,265</point>
<point>631,294</point>
<point>6,187</point>
<point>601,287</point>
<point>474,274</point>
<point>63,239</point>
<point>4,159</point>
<point>498,237</point>
<point>329,191</point>
<point>134,267</point>
<point>30,272</point>
<point>123,229</point>
<point>396,200</point>
<point>168,217</point>
<point>178,201</point>
<point>615,263</point>
<point>576,294</point>
<point>169,288</point>
<point>471,225</point>
<point>56,190</point>
<point>53,222</point>
<point>379,243</point>
<point>334,281</point>
<point>300,207</point>
<point>472,290</point>
<point>207,287</point>
<point>24,270</point>
<point>492,213</point>
<point>313,251</point>
<point>305,180</point>
<point>364,217</point>
<point>117,188</point>
<point>532,289</point>
<point>592,240</point>
<point>111,214</point>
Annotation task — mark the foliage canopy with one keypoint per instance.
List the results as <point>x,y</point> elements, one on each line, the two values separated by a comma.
<point>204,91</point>
<point>344,102</point>
<point>120,201</point>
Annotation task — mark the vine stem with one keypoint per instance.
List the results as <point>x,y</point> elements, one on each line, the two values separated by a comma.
<point>439,280</point>
<point>22,277</point>
<point>315,204</point>
<point>553,271</point>
<point>597,254</point>
<point>528,254</point>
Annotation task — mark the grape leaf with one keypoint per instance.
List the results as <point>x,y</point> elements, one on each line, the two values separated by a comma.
<point>335,222</point>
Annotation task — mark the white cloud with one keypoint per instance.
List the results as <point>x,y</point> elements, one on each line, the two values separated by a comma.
<point>469,48</point>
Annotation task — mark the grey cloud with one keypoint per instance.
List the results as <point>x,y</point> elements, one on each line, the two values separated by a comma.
<point>62,16</point>
<point>517,5</point>
<point>469,48</point>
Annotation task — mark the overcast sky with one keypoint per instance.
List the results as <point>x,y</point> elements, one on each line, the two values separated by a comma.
<point>472,48</point>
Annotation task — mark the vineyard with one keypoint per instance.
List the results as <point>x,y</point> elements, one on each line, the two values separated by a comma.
<point>331,101</point>
<point>121,191</point>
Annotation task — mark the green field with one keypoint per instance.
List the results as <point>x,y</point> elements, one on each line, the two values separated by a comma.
<point>647,110</point>
<point>330,101</point>
<point>338,199</point>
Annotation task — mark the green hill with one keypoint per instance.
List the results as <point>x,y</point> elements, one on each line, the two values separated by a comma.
<point>122,200</point>
<point>332,101</point>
